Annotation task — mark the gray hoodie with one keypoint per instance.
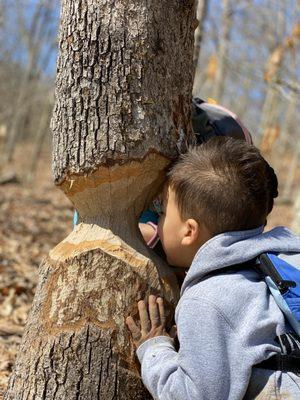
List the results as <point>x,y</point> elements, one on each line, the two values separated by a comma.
<point>226,324</point>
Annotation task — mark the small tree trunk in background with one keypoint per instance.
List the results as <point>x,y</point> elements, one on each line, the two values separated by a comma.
<point>17,116</point>
<point>291,172</point>
<point>223,50</point>
<point>269,123</point>
<point>296,213</point>
<point>122,112</point>
<point>42,130</point>
<point>34,38</point>
<point>289,119</point>
<point>269,115</point>
<point>201,10</point>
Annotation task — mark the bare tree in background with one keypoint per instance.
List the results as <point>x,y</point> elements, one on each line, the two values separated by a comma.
<point>201,12</point>
<point>39,138</point>
<point>36,33</point>
<point>223,50</point>
<point>122,114</point>
<point>276,136</point>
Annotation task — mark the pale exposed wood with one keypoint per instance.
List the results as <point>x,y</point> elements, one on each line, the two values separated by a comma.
<point>76,344</point>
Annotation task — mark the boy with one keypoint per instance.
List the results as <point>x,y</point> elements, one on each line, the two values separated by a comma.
<point>208,120</point>
<point>215,208</point>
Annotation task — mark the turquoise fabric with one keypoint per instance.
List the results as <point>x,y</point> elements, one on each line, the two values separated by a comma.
<point>149,216</point>
<point>75,219</point>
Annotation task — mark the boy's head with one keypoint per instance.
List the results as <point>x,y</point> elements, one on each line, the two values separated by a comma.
<point>223,185</point>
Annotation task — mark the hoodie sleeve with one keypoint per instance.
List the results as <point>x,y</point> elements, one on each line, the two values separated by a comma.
<point>210,364</point>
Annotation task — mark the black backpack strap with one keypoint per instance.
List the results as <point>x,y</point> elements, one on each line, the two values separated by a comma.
<point>267,268</point>
<point>281,362</point>
<point>289,359</point>
<point>289,343</point>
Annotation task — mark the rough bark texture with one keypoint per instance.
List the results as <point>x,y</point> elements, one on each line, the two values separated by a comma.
<point>122,113</point>
<point>126,94</point>
<point>76,345</point>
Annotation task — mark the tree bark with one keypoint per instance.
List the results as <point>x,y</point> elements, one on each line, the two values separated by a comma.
<point>124,80</point>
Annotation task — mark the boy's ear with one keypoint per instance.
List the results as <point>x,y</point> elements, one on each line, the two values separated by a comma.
<point>191,232</point>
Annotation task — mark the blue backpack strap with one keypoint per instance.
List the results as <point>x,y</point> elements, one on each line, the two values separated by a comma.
<point>280,285</point>
<point>283,281</point>
<point>289,358</point>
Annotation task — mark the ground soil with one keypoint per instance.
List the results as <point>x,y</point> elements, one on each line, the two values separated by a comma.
<point>33,219</point>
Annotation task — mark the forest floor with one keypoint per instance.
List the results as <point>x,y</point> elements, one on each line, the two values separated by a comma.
<point>33,219</point>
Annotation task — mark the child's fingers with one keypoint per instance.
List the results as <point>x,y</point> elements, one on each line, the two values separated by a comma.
<point>161,309</point>
<point>144,317</point>
<point>135,331</point>
<point>153,312</point>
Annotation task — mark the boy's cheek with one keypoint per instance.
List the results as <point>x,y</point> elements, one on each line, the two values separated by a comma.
<point>159,228</point>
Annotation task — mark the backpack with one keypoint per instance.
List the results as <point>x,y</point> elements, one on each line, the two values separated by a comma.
<point>283,281</point>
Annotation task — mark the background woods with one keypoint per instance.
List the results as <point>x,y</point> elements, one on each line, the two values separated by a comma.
<point>246,57</point>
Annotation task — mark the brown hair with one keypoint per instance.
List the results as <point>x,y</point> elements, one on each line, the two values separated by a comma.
<point>225,183</point>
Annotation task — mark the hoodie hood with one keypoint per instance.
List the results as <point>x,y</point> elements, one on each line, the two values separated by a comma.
<point>232,248</point>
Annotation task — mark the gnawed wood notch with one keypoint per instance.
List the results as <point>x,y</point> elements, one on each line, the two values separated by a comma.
<point>122,114</point>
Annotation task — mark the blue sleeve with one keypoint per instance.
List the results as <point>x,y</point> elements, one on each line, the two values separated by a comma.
<point>149,216</point>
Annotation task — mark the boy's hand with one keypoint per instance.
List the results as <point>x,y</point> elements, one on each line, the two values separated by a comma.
<point>152,321</point>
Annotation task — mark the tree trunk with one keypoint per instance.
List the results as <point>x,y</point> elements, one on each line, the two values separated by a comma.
<point>202,7</point>
<point>123,91</point>
<point>223,50</point>
<point>289,120</point>
<point>42,130</point>
<point>201,12</point>
<point>296,214</point>
<point>33,38</point>
<point>291,172</point>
